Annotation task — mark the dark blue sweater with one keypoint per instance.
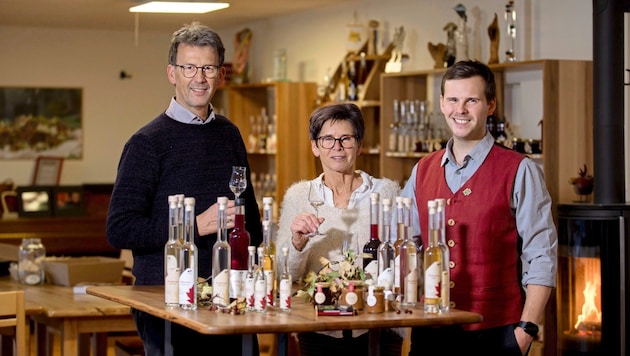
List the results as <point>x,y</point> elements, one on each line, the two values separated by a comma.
<point>168,157</point>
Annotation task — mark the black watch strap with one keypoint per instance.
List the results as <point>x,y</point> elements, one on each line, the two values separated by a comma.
<point>530,328</point>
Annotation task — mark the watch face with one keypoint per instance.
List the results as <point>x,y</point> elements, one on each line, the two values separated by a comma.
<point>529,328</point>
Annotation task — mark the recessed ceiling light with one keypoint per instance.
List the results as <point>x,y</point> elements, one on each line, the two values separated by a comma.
<point>179,7</point>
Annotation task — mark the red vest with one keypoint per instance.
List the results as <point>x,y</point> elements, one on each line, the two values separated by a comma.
<point>481,235</point>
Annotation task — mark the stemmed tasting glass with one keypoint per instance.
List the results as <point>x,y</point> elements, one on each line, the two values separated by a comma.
<point>238,181</point>
<point>316,199</point>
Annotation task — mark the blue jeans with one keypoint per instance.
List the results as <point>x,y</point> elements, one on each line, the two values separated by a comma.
<point>185,341</point>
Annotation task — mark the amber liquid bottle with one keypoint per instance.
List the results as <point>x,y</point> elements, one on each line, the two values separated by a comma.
<point>432,263</point>
<point>400,233</point>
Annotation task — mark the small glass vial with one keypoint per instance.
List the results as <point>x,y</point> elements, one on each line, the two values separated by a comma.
<point>32,257</point>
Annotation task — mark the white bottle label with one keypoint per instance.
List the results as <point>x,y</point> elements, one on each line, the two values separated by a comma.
<point>236,283</point>
<point>411,286</point>
<point>432,278</point>
<point>187,287</point>
<point>397,272</point>
<point>221,288</point>
<point>249,292</point>
<point>171,281</point>
<point>269,278</point>
<point>372,268</point>
<point>260,295</point>
<point>320,297</point>
<point>285,294</point>
<point>386,278</point>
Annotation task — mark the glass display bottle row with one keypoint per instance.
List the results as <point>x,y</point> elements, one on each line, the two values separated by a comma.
<point>414,129</point>
<point>262,137</point>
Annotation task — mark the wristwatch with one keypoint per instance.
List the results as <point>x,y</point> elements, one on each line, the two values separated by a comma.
<point>530,328</point>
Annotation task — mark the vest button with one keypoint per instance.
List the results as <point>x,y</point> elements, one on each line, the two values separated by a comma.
<point>451,264</point>
<point>448,201</point>
<point>452,304</point>
<point>451,222</point>
<point>451,285</point>
<point>451,243</point>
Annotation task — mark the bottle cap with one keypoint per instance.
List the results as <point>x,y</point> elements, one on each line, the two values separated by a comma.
<point>251,249</point>
<point>387,203</point>
<point>268,200</point>
<point>189,201</point>
<point>222,202</point>
<point>285,251</point>
<point>431,204</point>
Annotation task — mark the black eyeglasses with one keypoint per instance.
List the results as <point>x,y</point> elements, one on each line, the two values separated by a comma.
<point>328,142</point>
<point>189,70</point>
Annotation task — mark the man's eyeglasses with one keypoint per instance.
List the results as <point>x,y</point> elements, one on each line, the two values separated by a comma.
<point>328,142</point>
<point>189,70</point>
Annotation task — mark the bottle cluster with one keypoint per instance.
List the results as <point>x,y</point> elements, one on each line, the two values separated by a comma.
<point>180,254</point>
<point>262,137</point>
<point>414,129</point>
<point>236,273</point>
<point>405,270</point>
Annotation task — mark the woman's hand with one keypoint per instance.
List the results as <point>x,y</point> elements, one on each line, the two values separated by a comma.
<point>303,225</point>
<point>208,221</point>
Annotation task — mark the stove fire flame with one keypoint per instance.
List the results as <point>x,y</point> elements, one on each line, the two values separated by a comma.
<point>590,320</point>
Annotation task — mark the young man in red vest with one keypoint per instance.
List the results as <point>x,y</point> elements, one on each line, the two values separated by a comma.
<point>499,225</point>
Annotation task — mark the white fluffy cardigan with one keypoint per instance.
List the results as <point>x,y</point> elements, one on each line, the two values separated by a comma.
<point>351,224</point>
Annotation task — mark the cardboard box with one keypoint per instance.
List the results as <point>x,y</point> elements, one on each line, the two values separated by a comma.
<point>74,270</point>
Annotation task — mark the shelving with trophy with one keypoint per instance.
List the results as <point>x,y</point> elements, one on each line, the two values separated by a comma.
<point>357,80</point>
<point>273,121</point>
<point>556,92</point>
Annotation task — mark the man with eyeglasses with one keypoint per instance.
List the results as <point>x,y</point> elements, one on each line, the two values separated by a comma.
<point>189,149</point>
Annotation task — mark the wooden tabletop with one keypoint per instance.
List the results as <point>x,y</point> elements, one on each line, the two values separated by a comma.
<point>302,317</point>
<point>61,302</point>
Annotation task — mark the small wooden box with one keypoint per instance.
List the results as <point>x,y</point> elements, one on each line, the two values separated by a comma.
<point>86,270</point>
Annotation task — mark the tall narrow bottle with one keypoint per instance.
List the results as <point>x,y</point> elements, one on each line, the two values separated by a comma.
<point>171,256</point>
<point>260,285</point>
<point>445,293</point>
<point>180,218</point>
<point>268,242</point>
<point>188,259</point>
<point>268,263</point>
<point>221,259</point>
<point>408,261</point>
<point>400,232</point>
<point>370,264</point>
<point>249,278</point>
<point>239,241</point>
<point>432,263</point>
<point>285,283</point>
<point>386,251</point>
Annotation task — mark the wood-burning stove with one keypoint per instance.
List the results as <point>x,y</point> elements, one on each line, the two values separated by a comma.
<point>592,279</point>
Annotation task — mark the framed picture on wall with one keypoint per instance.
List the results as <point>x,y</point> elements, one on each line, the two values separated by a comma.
<point>68,200</point>
<point>47,170</point>
<point>34,201</point>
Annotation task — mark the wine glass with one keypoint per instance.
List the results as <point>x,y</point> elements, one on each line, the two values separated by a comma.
<point>238,181</point>
<point>316,199</point>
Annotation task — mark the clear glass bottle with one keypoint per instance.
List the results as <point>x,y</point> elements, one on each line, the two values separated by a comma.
<point>249,278</point>
<point>386,251</point>
<point>432,263</point>
<point>31,261</point>
<point>260,284</point>
<point>268,263</point>
<point>239,241</point>
<point>510,20</point>
<point>188,259</point>
<point>445,284</point>
<point>286,283</point>
<point>408,261</point>
<point>268,242</point>
<point>400,233</point>
<point>370,264</point>
<point>221,259</point>
<point>171,256</point>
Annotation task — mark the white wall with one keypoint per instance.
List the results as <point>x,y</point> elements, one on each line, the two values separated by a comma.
<point>315,41</point>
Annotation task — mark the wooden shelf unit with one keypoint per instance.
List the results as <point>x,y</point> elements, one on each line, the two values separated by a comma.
<point>292,105</point>
<point>558,92</point>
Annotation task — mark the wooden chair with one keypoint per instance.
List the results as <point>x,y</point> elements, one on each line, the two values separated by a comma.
<point>13,315</point>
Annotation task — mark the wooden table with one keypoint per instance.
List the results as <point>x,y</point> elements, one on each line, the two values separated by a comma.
<point>74,317</point>
<point>302,317</point>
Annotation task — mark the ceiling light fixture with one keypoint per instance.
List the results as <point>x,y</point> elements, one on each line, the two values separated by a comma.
<point>179,7</point>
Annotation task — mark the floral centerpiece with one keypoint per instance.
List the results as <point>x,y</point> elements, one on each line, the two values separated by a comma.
<point>335,274</point>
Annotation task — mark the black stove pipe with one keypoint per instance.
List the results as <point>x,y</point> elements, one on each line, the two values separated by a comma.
<point>608,101</point>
